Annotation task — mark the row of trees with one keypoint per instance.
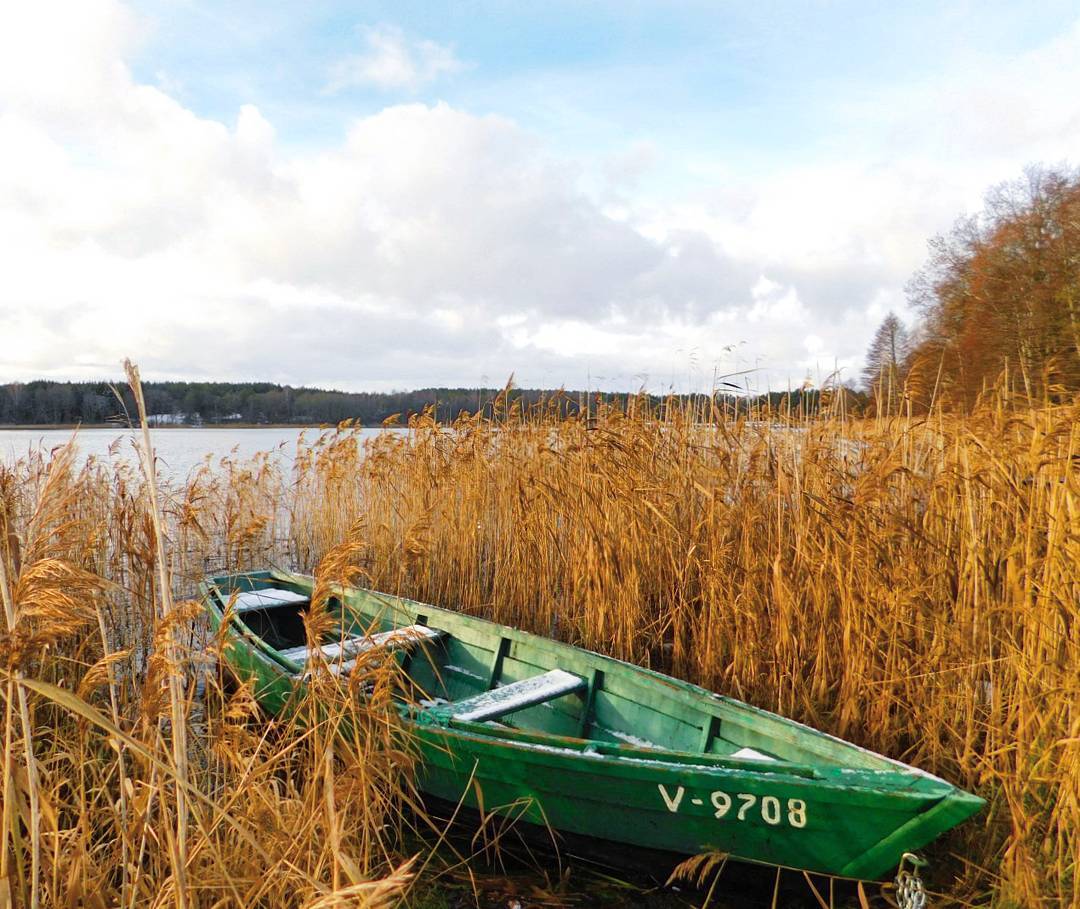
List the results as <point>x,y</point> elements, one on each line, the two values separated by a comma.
<point>1000,294</point>
<point>197,403</point>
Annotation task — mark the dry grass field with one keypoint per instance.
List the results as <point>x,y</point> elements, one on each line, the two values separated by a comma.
<point>909,583</point>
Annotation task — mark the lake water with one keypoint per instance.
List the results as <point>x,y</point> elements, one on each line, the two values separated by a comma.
<point>178,449</point>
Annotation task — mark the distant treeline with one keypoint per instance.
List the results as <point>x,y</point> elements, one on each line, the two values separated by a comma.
<point>197,403</point>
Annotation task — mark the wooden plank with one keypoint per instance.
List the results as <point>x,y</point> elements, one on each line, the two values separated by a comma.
<point>267,598</point>
<point>393,640</point>
<point>355,645</point>
<point>497,657</point>
<point>643,719</point>
<point>708,732</point>
<point>596,681</point>
<point>517,696</point>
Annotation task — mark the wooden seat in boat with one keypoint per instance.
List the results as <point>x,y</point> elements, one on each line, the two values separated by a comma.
<point>267,598</point>
<point>490,705</point>
<point>347,650</point>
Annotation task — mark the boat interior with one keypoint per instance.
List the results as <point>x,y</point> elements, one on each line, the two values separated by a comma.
<point>477,675</point>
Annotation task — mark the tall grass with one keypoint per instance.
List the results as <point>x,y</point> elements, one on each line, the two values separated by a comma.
<point>132,776</point>
<point>910,584</point>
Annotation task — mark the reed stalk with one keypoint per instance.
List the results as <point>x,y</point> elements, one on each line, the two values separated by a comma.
<point>178,726</point>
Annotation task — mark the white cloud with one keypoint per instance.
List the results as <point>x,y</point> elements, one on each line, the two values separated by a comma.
<point>432,245</point>
<point>391,60</point>
<point>777,304</point>
<point>59,60</point>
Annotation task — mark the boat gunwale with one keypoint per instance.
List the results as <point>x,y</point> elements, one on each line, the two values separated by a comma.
<point>827,776</point>
<point>560,750</point>
<point>686,693</point>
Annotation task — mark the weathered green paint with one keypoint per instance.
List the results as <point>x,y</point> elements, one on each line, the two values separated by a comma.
<point>659,764</point>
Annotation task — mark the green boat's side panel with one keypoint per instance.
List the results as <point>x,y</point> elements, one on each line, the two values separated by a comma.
<point>621,705</point>
<point>947,813</point>
<point>759,817</point>
<point>824,806</point>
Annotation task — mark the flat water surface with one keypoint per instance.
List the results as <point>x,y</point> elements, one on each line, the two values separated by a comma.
<point>178,449</point>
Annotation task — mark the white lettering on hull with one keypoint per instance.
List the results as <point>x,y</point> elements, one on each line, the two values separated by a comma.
<point>770,807</point>
<point>672,802</point>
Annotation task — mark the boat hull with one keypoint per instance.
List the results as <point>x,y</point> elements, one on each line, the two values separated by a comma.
<point>826,828</point>
<point>851,822</point>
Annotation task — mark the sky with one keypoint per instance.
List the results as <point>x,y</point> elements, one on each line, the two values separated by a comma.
<point>610,195</point>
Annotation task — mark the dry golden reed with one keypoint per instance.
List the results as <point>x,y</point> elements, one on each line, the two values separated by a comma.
<point>132,777</point>
<point>911,584</point>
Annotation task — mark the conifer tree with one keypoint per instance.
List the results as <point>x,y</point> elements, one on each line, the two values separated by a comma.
<point>883,373</point>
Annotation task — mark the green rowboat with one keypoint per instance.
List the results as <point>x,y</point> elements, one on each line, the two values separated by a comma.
<point>594,746</point>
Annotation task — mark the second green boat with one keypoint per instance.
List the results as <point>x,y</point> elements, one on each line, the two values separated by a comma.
<point>594,746</point>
